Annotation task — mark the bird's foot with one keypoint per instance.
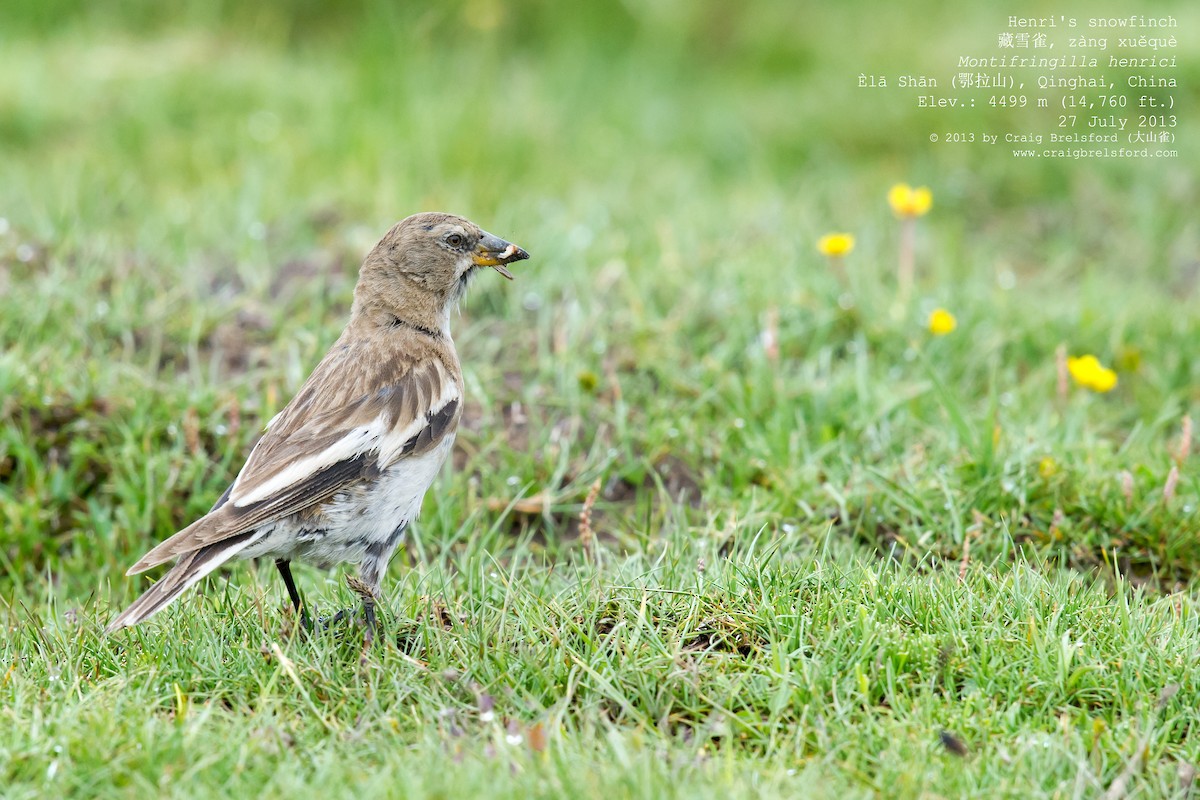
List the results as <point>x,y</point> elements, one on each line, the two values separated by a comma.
<point>368,615</point>
<point>369,595</point>
<point>315,625</point>
<point>325,623</point>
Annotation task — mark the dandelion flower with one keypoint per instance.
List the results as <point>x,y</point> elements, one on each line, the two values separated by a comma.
<point>941,322</point>
<point>835,244</point>
<point>909,202</point>
<point>1088,372</point>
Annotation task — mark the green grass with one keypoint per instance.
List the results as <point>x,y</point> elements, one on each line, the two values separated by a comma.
<point>806,569</point>
<point>646,675</point>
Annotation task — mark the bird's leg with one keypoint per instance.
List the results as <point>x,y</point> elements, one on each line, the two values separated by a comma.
<point>285,571</point>
<point>372,622</point>
<point>369,595</point>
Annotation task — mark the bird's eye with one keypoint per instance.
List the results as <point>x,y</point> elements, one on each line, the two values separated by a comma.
<point>455,240</point>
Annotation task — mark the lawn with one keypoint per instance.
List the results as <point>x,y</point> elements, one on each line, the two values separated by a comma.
<point>726,518</point>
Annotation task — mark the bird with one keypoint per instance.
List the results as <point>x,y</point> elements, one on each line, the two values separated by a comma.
<point>340,473</point>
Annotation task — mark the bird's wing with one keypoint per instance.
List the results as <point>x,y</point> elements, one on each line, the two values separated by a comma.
<point>337,430</point>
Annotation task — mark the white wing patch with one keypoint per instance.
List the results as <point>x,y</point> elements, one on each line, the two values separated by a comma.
<point>357,441</point>
<point>374,437</point>
<point>393,442</point>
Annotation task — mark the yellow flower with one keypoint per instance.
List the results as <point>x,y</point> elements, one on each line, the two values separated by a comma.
<point>1047,467</point>
<point>835,244</point>
<point>1089,373</point>
<point>909,202</point>
<point>1105,380</point>
<point>941,322</point>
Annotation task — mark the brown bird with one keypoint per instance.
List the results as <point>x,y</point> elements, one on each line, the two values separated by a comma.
<point>341,471</point>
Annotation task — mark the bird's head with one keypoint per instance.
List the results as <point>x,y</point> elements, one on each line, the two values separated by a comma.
<point>428,260</point>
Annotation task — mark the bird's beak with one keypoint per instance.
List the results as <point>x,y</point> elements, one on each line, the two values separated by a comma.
<point>492,251</point>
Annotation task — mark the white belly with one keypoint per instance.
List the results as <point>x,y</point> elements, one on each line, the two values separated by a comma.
<point>368,518</point>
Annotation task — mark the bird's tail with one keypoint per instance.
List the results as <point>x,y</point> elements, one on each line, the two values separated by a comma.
<point>190,568</point>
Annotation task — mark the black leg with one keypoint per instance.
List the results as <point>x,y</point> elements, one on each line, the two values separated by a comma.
<point>361,589</point>
<point>368,593</point>
<point>285,571</point>
<point>369,618</point>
